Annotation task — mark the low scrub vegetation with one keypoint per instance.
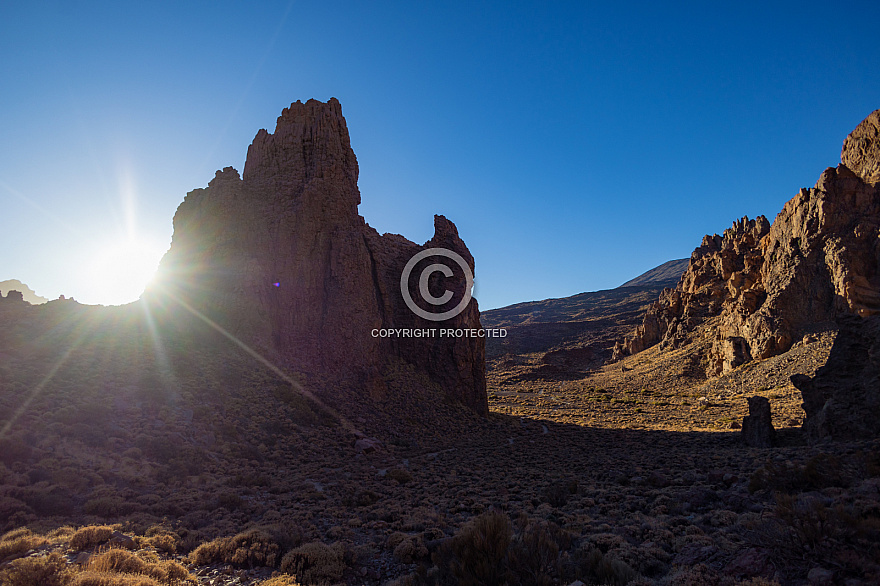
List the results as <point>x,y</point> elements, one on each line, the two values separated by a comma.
<point>491,550</point>
<point>315,563</point>
<point>245,550</point>
<point>16,543</point>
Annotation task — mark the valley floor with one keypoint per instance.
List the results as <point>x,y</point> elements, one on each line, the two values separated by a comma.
<point>631,473</point>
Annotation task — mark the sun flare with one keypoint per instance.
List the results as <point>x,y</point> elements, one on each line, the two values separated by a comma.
<point>120,271</point>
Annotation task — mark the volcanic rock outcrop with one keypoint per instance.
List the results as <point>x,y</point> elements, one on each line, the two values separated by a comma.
<point>843,399</point>
<point>764,286</point>
<point>757,426</point>
<point>281,258</point>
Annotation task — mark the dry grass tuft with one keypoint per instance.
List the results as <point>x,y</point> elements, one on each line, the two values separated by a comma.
<point>89,578</point>
<point>120,561</point>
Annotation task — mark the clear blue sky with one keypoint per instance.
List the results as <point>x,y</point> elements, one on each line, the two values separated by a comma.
<point>575,145</point>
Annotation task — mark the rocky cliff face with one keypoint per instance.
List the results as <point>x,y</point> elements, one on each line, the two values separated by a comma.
<point>766,285</point>
<point>842,401</point>
<point>281,258</point>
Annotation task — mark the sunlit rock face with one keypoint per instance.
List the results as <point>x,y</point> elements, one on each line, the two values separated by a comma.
<point>281,258</point>
<point>768,284</point>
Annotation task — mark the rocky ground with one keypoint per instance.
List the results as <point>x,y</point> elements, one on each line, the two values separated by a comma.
<point>632,473</point>
<point>660,390</point>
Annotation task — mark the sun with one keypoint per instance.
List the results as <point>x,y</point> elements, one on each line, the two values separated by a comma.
<point>119,271</point>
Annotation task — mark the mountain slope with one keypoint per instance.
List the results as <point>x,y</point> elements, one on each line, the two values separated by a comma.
<point>666,275</point>
<point>592,319</point>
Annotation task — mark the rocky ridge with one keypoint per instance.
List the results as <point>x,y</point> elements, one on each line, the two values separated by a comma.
<point>27,293</point>
<point>281,259</point>
<point>769,285</point>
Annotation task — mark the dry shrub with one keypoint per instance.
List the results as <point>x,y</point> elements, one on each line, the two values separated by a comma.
<point>282,580</point>
<point>315,563</point>
<point>395,538</point>
<point>107,507</point>
<point>50,570</point>
<point>90,578</point>
<point>248,549</point>
<point>60,534</point>
<point>120,561</point>
<point>287,536</point>
<point>811,520</point>
<point>18,542</point>
<point>165,542</point>
<point>534,553</point>
<point>820,471</point>
<point>162,538</point>
<point>117,560</point>
<point>557,493</point>
<point>410,549</point>
<point>479,550</point>
<point>703,575</point>
<point>408,580</point>
<point>91,536</point>
<point>400,475</point>
<point>592,566</point>
<point>488,551</point>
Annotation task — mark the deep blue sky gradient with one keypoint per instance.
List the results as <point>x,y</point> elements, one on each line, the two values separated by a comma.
<point>575,145</point>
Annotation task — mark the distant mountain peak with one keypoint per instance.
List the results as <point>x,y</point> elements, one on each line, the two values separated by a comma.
<point>667,275</point>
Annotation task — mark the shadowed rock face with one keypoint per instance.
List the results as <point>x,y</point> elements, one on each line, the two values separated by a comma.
<point>843,399</point>
<point>768,284</point>
<point>281,258</point>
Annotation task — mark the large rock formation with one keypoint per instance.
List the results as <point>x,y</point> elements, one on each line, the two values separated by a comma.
<point>757,426</point>
<point>281,259</point>
<point>766,285</point>
<point>843,399</point>
<point>27,293</point>
<point>861,149</point>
